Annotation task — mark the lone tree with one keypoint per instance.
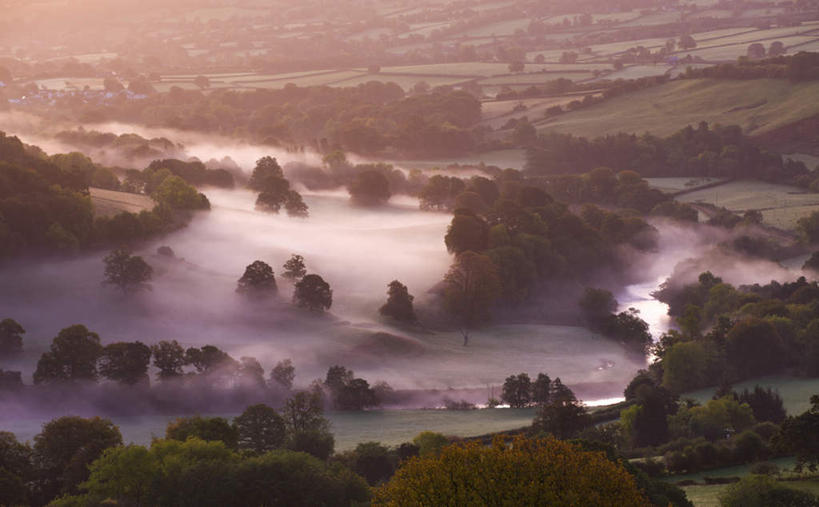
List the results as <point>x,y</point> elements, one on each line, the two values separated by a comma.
<point>471,287</point>
<point>258,280</point>
<point>73,356</point>
<point>313,293</point>
<point>11,339</point>
<point>294,268</point>
<point>129,273</point>
<point>399,303</point>
<point>546,472</point>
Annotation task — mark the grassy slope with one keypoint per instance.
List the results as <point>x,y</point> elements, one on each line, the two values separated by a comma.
<point>662,110</point>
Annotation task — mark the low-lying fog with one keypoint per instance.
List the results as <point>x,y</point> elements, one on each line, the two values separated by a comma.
<point>358,251</point>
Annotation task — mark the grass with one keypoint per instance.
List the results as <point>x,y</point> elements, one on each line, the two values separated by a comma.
<point>535,78</point>
<point>451,69</point>
<point>708,495</point>
<point>781,205</point>
<point>662,110</point>
<point>795,392</point>
<point>501,158</point>
<point>390,427</point>
<point>672,185</point>
<point>638,71</point>
<point>110,202</point>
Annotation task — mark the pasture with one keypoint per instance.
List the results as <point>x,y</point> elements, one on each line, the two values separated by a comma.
<point>795,392</point>
<point>757,106</point>
<point>109,202</point>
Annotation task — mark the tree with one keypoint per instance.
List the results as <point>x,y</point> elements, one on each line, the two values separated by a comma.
<point>201,81</point>
<point>517,390</point>
<point>766,404</point>
<point>126,363</point>
<point>471,287</point>
<point>64,449</point>
<point>112,84</point>
<point>753,348</point>
<point>313,293</point>
<point>307,429</point>
<point>756,51</point>
<point>399,303</point>
<point>295,205</point>
<point>266,167</point>
<point>178,194</point>
<point>800,435</point>
<point>685,367</point>
<point>541,389</point>
<point>687,42</point>
<point>369,188</point>
<point>15,470</point>
<point>283,374</point>
<point>294,268</point>
<point>372,461</point>
<point>11,339</point>
<point>597,305</point>
<point>72,356</point>
<point>777,48</point>
<point>812,262</point>
<point>208,429</point>
<point>430,443</point>
<point>563,416</point>
<point>260,429</point>
<point>466,232</point>
<point>517,66</point>
<point>546,472</point>
<point>169,359</point>
<point>258,280</point>
<point>568,57</point>
<point>210,360</point>
<point>129,273</point>
<point>126,474</point>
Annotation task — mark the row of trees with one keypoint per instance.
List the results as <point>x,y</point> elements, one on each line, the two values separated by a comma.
<point>701,151</point>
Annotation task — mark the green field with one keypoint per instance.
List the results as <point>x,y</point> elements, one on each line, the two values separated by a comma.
<point>781,205</point>
<point>708,495</point>
<point>109,202</point>
<point>672,185</point>
<point>795,392</point>
<point>757,106</point>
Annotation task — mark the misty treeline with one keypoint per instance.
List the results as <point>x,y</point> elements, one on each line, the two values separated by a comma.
<point>45,206</point>
<point>77,358</point>
<point>369,118</point>
<point>262,456</point>
<point>718,151</point>
<point>803,66</point>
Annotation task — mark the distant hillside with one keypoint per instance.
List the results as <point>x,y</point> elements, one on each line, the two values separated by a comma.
<point>758,106</point>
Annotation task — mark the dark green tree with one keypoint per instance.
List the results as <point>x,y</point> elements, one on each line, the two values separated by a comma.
<point>169,359</point>
<point>125,362</point>
<point>466,233</point>
<point>73,356</point>
<point>15,470</point>
<point>260,429</point>
<point>283,374</point>
<point>294,268</point>
<point>313,293</point>
<point>206,428</point>
<point>517,390</point>
<point>257,280</point>
<point>11,339</point>
<point>399,303</point>
<point>369,188</point>
<point>541,389</point>
<point>64,449</point>
<point>129,273</point>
